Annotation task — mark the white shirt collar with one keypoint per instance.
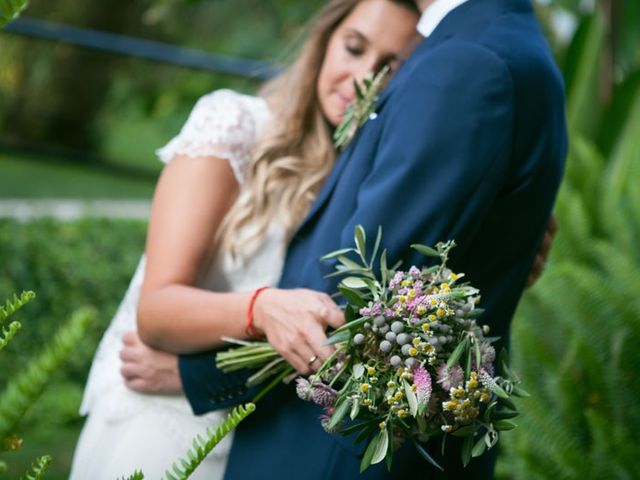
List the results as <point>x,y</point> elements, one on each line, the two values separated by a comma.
<point>434,14</point>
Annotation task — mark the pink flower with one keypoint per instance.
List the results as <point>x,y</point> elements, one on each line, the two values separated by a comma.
<point>422,381</point>
<point>450,377</point>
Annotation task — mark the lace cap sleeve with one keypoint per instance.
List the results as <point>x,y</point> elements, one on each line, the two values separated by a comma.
<point>224,124</point>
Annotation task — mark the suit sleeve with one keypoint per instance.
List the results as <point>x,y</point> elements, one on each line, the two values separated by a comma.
<point>444,152</point>
<point>207,388</point>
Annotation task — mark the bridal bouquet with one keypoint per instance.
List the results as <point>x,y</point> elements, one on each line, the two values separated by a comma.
<point>411,363</point>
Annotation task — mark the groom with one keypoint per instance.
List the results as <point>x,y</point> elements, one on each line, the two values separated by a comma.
<point>468,144</point>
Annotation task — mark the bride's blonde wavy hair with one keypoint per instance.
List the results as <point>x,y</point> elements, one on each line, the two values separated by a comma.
<point>295,154</point>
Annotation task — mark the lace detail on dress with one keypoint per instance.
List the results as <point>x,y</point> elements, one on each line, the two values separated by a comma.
<point>224,124</point>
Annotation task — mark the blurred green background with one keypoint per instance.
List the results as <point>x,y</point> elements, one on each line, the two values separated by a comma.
<point>76,109</point>
<point>82,124</point>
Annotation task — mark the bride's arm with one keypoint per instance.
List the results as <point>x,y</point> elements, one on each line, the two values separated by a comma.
<point>190,201</point>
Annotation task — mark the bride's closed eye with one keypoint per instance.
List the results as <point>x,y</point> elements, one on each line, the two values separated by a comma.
<point>354,46</point>
<point>354,51</point>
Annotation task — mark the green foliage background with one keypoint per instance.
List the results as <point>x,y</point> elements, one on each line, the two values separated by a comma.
<point>69,265</point>
<point>576,333</point>
<point>115,96</point>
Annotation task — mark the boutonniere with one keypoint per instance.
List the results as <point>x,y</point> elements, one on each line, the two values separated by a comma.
<point>361,109</point>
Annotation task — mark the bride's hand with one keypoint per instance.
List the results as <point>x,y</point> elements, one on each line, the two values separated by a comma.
<point>295,322</point>
<point>147,370</point>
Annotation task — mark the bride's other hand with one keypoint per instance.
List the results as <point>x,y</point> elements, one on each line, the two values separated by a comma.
<point>295,323</point>
<point>147,370</point>
<point>543,254</point>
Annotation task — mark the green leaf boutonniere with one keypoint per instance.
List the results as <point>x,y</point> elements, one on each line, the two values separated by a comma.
<point>361,109</point>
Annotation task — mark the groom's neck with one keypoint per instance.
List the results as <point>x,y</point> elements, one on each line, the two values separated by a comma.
<point>423,4</point>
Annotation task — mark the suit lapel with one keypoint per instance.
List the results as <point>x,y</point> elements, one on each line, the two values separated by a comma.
<point>329,184</point>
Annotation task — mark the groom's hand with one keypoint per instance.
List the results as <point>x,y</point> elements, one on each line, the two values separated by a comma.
<point>147,370</point>
<point>295,323</point>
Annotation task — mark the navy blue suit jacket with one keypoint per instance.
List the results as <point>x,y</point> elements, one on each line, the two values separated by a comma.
<point>469,143</point>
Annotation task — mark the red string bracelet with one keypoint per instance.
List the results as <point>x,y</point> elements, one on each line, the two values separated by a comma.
<point>250,329</point>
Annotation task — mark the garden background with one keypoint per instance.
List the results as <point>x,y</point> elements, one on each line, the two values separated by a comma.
<point>82,124</point>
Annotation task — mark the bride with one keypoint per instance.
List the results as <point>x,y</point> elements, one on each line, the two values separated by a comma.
<point>239,178</point>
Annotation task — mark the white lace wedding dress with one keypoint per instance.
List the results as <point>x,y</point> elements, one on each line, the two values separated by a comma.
<point>126,431</point>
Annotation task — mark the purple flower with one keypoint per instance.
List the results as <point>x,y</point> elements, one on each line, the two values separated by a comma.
<point>450,377</point>
<point>395,281</point>
<point>390,313</point>
<point>422,381</point>
<point>372,311</point>
<point>323,395</point>
<point>414,271</point>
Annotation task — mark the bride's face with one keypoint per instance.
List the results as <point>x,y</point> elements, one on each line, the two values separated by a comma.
<point>376,33</point>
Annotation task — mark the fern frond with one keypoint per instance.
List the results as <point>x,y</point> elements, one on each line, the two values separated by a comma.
<point>577,224</point>
<point>12,305</point>
<point>585,170</point>
<point>203,446</point>
<point>10,9</point>
<point>137,475</point>
<point>23,389</point>
<point>36,472</point>
<point>632,206</point>
<point>618,211</point>
<point>6,334</point>
<point>626,281</point>
<point>585,165</point>
<point>623,168</point>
